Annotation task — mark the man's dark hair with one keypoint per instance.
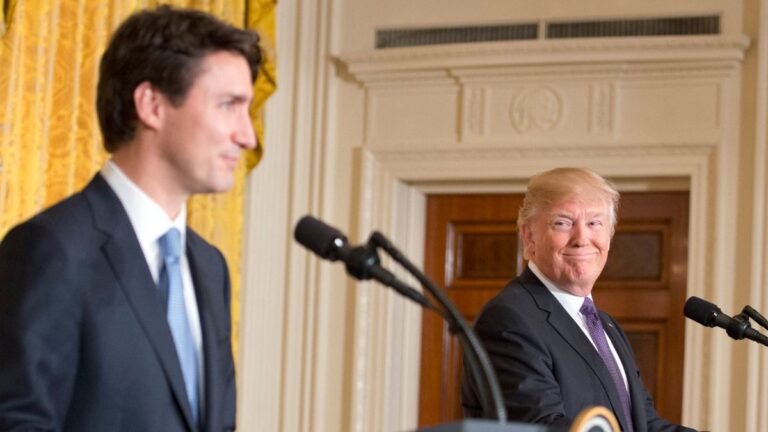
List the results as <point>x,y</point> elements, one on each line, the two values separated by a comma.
<point>165,47</point>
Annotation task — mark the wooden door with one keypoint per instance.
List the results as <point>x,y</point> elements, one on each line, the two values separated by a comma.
<point>473,249</point>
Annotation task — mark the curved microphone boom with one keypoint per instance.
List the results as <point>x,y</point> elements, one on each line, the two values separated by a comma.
<point>362,262</point>
<point>477,362</point>
<point>707,314</point>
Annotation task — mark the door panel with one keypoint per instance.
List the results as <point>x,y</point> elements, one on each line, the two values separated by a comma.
<point>473,249</point>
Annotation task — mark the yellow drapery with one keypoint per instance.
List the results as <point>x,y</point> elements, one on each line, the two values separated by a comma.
<point>2,20</point>
<point>50,144</point>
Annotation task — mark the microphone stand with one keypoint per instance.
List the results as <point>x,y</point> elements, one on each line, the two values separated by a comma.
<point>479,365</point>
<point>755,315</point>
<point>363,263</point>
<point>738,328</point>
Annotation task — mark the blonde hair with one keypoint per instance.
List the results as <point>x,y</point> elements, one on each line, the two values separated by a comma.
<point>549,187</point>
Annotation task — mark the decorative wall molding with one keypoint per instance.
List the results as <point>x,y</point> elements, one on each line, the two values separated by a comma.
<point>536,108</point>
<point>289,373</point>
<point>599,104</point>
<point>577,150</point>
<point>547,93</point>
<point>575,52</point>
<point>403,181</point>
<point>756,417</point>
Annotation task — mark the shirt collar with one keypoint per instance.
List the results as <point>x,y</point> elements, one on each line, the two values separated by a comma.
<point>571,303</point>
<point>149,220</point>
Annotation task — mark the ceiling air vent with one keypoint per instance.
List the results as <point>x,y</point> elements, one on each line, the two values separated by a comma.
<point>669,26</point>
<point>677,26</point>
<point>452,35</point>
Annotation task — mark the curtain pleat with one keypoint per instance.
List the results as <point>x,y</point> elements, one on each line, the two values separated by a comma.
<point>50,144</point>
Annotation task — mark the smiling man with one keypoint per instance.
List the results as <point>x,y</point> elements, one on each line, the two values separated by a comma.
<point>114,315</point>
<point>556,354</point>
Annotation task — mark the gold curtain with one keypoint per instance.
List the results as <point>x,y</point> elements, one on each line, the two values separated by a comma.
<point>2,19</point>
<point>50,144</point>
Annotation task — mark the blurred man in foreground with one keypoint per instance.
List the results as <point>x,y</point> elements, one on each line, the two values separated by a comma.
<point>114,315</point>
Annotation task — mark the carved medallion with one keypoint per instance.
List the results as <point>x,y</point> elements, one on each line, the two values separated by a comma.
<point>539,108</point>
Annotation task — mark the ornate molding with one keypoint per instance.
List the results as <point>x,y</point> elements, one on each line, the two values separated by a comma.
<point>472,167</point>
<point>476,108</point>
<point>516,153</point>
<point>536,108</point>
<point>601,108</point>
<point>368,64</point>
<point>450,151</point>
<point>410,78</point>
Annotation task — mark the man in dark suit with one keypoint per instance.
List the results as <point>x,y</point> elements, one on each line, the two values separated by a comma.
<point>556,354</point>
<point>114,315</point>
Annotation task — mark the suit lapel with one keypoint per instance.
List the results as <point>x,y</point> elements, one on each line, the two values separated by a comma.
<point>212,326</point>
<point>573,335</point>
<point>124,254</point>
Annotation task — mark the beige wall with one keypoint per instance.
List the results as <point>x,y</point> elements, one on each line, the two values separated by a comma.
<point>322,353</point>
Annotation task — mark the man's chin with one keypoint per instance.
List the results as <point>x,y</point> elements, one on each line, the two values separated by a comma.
<point>226,187</point>
<point>217,187</point>
<point>584,280</point>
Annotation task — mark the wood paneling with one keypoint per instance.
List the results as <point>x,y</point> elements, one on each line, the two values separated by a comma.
<point>450,217</point>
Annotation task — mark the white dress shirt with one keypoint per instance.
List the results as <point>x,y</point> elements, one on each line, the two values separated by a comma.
<point>150,222</point>
<point>572,304</point>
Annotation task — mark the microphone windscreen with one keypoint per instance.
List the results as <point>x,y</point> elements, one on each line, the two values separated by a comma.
<point>701,311</point>
<point>318,237</point>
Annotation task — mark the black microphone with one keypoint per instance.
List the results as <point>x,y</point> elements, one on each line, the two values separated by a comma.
<point>707,314</point>
<point>322,239</point>
<point>361,262</point>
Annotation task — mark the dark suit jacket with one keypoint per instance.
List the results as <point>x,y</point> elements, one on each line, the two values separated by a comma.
<point>84,342</point>
<point>547,368</point>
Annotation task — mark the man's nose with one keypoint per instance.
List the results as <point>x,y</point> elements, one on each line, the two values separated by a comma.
<point>580,235</point>
<point>244,135</point>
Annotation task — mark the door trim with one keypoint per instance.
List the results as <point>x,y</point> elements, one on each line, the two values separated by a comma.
<point>387,328</point>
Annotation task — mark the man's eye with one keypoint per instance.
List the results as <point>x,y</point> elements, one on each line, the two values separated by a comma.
<point>228,105</point>
<point>561,224</point>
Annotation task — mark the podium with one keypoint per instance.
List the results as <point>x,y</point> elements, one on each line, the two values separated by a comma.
<point>476,425</point>
<point>592,419</point>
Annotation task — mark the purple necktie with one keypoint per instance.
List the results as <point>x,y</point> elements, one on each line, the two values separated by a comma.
<point>597,333</point>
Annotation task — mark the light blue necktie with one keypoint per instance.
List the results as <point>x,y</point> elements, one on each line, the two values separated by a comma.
<point>176,313</point>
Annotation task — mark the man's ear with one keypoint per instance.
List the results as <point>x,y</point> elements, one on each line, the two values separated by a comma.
<point>148,103</point>
<point>528,243</point>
